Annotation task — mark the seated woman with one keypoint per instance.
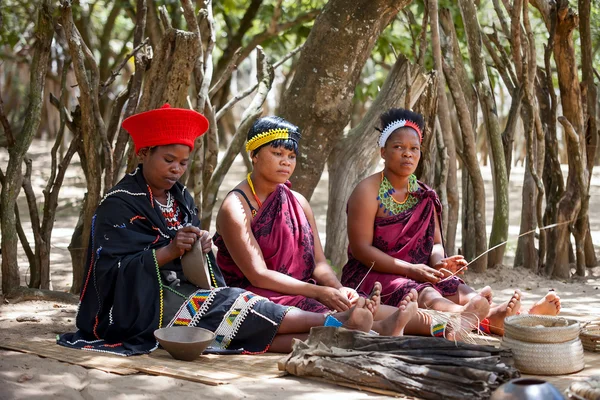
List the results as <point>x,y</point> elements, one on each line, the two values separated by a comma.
<point>134,282</point>
<point>393,225</point>
<point>269,244</point>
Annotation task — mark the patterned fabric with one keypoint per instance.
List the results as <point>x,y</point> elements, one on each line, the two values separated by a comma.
<point>125,296</point>
<point>286,240</point>
<point>406,236</point>
<point>240,319</point>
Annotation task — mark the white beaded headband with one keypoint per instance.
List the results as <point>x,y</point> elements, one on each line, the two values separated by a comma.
<point>401,123</point>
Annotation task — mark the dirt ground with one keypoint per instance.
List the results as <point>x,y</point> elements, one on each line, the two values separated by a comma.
<point>28,376</point>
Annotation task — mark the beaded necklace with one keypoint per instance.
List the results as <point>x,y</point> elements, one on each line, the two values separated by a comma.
<point>170,212</point>
<point>249,179</point>
<point>390,205</point>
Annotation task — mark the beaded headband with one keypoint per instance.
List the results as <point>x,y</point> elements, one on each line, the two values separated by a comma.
<point>401,123</point>
<point>267,137</point>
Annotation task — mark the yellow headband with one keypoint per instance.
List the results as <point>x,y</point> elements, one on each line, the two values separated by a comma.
<point>266,137</point>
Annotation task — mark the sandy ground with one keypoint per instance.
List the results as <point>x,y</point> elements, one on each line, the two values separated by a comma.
<point>27,376</point>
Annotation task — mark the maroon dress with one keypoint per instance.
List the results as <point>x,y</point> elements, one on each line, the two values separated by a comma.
<point>406,236</point>
<point>286,240</point>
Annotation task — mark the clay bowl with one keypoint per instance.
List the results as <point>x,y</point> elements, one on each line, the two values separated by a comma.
<point>527,389</point>
<point>184,343</point>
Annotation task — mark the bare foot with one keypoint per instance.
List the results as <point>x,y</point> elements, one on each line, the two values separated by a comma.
<point>499,312</point>
<point>374,299</point>
<point>473,312</point>
<point>547,305</point>
<point>487,293</point>
<point>394,324</point>
<point>359,317</point>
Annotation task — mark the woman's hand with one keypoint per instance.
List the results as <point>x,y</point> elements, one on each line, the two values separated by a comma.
<point>452,265</point>
<point>185,238</point>
<point>205,241</point>
<point>424,273</point>
<point>332,298</point>
<point>350,294</point>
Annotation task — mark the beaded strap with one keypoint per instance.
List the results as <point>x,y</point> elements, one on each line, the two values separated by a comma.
<point>160,290</point>
<point>438,329</point>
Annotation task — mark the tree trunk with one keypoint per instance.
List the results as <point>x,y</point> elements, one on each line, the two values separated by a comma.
<point>426,104</point>
<point>472,166</point>
<point>319,99</point>
<point>499,232</point>
<point>570,204</point>
<point>13,176</point>
<point>92,126</point>
<point>169,75</point>
<point>78,250</point>
<point>552,174</point>
<point>450,215</point>
<point>526,254</point>
<point>355,156</point>
<point>590,98</point>
<point>452,51</point>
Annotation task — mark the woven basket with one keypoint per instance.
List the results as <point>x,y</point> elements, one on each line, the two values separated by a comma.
<point>546,358</point>
<point>541,328</point>
<point>590,336</point>
<point>586,389</point>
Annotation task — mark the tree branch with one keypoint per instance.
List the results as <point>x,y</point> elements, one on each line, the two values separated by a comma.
<point>207,75</point>
<point>134,86</point>
<point>502,18</point>
<point>26,294</point>
<point>62,109</point>
<point>104,45</point>
<point>276,15</point>
<point>10,138</point>
<point>499,64</point>
<point>423,38</point>
<point>265,79</point>
<point>251,89</point>
<point>260,38</point>
<point>224,77</point>
<point>61,130</point>
<point>115,73</point>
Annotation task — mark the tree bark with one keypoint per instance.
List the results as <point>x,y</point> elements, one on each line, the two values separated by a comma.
<point>13,176</point>
<point>355,156</point>
<point>570,204</point>
<point>533,189</point>
<point>552,173</point>
<point>590,98</point>
<point>450,216</point>
<point>169,75</point>
<point>472,165</point>
<point>92,126</point>
<point>499,232</point>
<point>452,51</point>
<point>319,99</point>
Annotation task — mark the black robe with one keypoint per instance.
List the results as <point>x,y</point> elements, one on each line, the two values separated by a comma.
<point>122,300</point>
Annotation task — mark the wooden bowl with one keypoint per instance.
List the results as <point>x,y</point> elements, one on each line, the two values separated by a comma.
<point>184,343</point>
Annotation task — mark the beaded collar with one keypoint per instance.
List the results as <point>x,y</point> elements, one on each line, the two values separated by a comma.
<point>170,211</point>
<point>390,205</point>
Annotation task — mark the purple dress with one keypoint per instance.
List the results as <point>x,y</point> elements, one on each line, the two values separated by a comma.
<point>406,236</point>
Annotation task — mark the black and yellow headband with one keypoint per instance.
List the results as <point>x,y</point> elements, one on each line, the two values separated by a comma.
<point>267,137</point>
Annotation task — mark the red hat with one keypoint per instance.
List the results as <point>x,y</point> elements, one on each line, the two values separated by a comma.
<point>165,126</point>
